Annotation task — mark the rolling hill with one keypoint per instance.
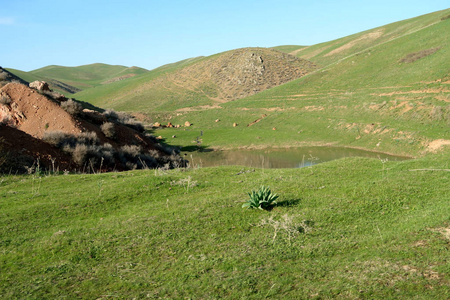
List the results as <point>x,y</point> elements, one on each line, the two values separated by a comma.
<point>205,81</point>
<point>387,93</point>
<point>70,80</point>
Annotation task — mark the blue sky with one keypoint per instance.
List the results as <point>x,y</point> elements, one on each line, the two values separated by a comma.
<point>148,34</point>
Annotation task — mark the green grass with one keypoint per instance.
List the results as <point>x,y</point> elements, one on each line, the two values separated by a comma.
<point>79,78</point>
<point>364,97</point>
<point>88,75</point>
<point>352,228</point>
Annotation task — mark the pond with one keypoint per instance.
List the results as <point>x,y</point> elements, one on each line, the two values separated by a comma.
<point>280,158</point>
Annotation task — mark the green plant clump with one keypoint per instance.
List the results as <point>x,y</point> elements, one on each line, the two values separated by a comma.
<point>262,199</point>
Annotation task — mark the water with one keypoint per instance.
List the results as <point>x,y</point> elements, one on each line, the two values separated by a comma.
<point>279,158</point>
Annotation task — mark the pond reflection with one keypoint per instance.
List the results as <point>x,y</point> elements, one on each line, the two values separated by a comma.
<point>280,158</point>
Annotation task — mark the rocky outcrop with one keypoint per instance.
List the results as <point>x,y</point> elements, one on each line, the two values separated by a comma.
<point>40,85</point>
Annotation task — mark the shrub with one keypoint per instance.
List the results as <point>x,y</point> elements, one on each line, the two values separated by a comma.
<point>111,115</point>
<point>79,154</point>
<point>134,124</point>
<point>4,99</point>
<point>262,199</point>
<point>58,138</point>
<point>87,138</point>
<point>72,107</point>
<point>108,130</point>
<point>125,119</point>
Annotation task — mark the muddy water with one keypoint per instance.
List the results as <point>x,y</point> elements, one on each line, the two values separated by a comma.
<point>279,158</point>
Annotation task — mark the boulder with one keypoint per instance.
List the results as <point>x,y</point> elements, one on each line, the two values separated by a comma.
<point>40,85</point>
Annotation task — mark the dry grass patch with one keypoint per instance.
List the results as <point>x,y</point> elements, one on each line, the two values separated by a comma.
<point>412,57</point>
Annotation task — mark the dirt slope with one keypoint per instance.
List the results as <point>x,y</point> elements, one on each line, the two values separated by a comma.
<point>240,73</point>
<point>34,113</point>
<point>36,127</point>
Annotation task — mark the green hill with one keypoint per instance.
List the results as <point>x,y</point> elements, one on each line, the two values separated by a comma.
<point>206,81</point>
<point>390,96</point>
<point>329,52</point>
<point>69,80</point>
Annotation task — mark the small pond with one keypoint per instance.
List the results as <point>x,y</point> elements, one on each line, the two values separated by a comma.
<point>279,158</point>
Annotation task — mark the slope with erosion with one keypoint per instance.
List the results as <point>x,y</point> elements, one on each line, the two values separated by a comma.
<point>330,52</point>
<point>57,128</point>
<point>206,81</point>
<point>374,99</point>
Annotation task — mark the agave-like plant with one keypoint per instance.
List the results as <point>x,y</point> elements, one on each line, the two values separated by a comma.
<point>262,199</point>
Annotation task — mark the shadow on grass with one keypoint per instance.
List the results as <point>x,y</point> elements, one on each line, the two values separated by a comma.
<point>288,203</point>
<point>196,148</point>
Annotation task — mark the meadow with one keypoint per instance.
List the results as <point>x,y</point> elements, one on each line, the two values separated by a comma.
<point>353,228</point>
<point>350,228</point>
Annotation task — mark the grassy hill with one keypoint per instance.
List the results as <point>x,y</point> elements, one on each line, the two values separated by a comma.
<point>352,228</point>
<point>378,99</point>
<point>330,52</point>
<point>206,81</point>
<point>70,80</point>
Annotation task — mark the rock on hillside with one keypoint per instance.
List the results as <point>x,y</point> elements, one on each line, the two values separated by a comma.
<point>52,128</point>
<point>240,73</point>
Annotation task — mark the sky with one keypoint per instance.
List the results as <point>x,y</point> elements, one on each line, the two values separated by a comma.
<point>151,33</point>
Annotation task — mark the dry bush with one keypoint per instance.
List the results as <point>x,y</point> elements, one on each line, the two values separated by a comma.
<point>445,18</point>
<point>111,115</point>
<point>54,95</point>
<point>4,99</point>
<point>79,154</point>
<point>86,151</point>
<point>87,138</point>
<point>72,107</point>
<point>108,130</point>
<point>125,119</point>
<point>58,138</point>
<point>133,158</point>
<point>134,124</point>
<point>131,150</point>
<point>412,57</point>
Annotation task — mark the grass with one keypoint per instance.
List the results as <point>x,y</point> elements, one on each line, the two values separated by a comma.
<point>69,80</point>
<point>373,231</point>
<point>363,97</point>
<point>350,228</point>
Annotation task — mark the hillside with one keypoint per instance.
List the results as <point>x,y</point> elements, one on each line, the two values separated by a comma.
<point>42,132</point>
<point>330,52</point>
<point>205,81</point>
<point>55,85</point>
<point>391,97</point>
<point>70,80</point>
